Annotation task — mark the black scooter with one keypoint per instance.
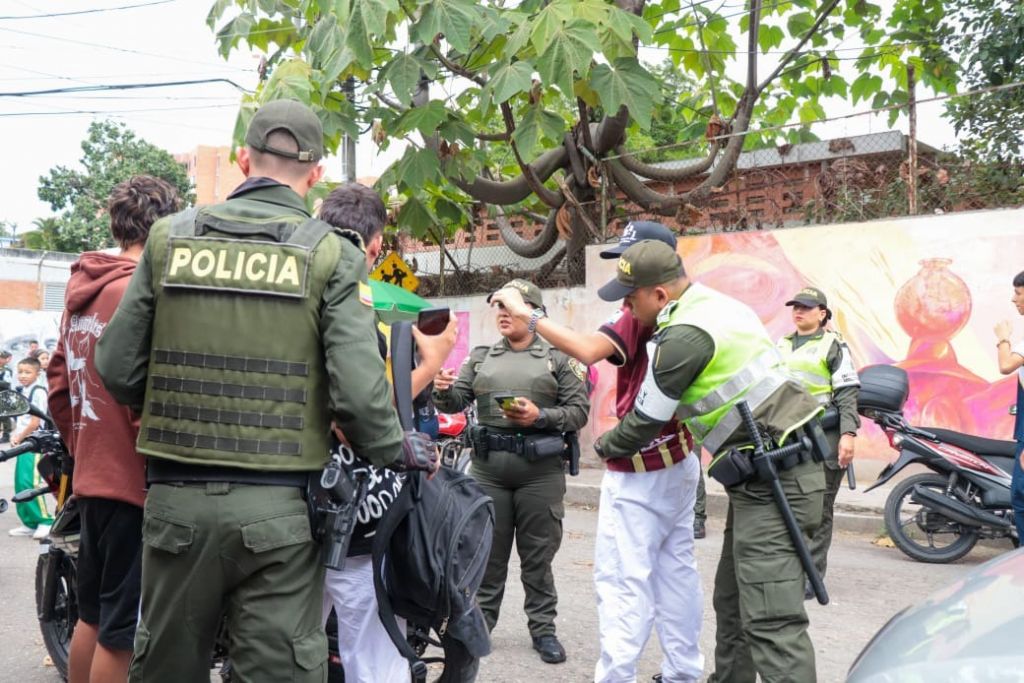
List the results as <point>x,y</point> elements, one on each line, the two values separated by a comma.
<point>938,516</point>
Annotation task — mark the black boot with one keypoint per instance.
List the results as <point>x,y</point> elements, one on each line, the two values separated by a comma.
<point>551,651</point>
<point>698,528</point>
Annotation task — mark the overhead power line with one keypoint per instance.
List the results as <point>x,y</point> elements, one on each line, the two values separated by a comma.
<point>123,86</point>
<point>69,112</point>
<point>85,11</point>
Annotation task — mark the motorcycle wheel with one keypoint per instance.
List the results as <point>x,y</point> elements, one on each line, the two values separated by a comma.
<point>57,632</point>
<point>915,528</point>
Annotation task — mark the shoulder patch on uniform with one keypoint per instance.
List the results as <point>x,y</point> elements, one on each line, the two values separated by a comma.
<point>578,369</point>
<point>365,294</point>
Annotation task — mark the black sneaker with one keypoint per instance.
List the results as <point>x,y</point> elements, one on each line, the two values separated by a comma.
<point>698,529</point>
<point>551,651</point>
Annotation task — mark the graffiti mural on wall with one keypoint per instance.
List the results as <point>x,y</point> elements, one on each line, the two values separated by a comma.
<point>18,327</point>
<point>920,294</point>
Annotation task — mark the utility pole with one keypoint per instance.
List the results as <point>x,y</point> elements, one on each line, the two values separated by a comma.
<point>348,143</point>
<point>912,143</point>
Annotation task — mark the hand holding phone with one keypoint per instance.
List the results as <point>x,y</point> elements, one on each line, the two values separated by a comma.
<point>506,401</point>
<point>433,321</point>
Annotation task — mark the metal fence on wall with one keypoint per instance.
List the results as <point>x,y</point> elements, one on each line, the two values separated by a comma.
<point>839,178</point>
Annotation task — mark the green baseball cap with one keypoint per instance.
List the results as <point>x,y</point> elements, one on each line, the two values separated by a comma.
<point>810,297</point>
<point>645,264</point>
<point>531,292</point>
<point>295,118</point>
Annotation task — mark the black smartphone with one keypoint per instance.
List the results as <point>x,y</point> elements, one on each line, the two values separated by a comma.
<point>505,401</point>
<point>433,320</point>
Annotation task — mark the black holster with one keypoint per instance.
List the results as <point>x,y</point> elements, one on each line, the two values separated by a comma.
<point>478,439</point>
<point>732,468</point>
<point>572,452</point>
<point>540,446</point>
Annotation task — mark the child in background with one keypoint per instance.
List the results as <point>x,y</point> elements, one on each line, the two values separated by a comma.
<point>34,516</point>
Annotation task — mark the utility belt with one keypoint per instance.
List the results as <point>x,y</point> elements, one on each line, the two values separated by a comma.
<point>736,466</point>
<point>165,471</point>
<point>532,447</point>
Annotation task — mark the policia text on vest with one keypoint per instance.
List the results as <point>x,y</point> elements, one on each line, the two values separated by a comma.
<point>234,265</point>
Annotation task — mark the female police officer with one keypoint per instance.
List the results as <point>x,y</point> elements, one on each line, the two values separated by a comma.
<point>528,394</point>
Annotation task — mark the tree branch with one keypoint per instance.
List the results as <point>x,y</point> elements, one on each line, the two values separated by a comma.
<point>664,174</point>
<point>458,69</point>
<point>390,103</point>
<point>492,137</point>
<point>704,54</point>
<point>549,197</point>
<point>792,54</point>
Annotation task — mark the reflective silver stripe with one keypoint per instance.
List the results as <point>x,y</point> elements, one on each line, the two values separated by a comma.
<point>810,377</point>
<point>650,400</point>
<point>824,398</point>
<point>760,366</point>
<point>731,421</point>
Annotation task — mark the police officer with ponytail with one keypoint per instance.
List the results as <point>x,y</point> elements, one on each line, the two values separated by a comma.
<point>528,395</point>
<point>821,361</point>
<point>245,330</point>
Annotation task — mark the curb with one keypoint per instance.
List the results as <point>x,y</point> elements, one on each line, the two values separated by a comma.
<point>853,519</point>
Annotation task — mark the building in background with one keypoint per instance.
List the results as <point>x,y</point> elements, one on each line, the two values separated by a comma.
<point>212,172</point>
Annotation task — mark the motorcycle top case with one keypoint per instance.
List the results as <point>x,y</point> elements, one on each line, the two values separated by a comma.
<point>883,387</point>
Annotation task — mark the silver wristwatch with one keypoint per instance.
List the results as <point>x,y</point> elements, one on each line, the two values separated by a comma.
<point>535,316</point>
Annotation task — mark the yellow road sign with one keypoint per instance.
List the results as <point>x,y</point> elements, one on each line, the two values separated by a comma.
<point>396,271</point>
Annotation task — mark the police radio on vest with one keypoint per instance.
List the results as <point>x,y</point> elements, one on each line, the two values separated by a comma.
<point>251,267</point>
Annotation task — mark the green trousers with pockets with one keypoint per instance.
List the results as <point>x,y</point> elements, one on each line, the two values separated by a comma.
<point>821,541</point>
<point>26,476</point>
<point>245,553</point>
<point>759,585</point>
<point>700,503</point>
<point>528,509</point>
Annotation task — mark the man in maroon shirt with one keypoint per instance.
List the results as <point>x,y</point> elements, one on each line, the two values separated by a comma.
<point>645,573</point>
<point>110,476</point>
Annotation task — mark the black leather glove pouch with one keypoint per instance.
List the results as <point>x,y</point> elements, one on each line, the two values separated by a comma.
<point>537,447</point>
<point>735,467</point>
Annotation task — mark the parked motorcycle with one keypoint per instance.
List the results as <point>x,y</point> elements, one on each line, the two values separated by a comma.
<point>453,439</point>
<point>938,516</point>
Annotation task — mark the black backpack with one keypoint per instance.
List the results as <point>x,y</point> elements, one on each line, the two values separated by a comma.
<point>432,545</point>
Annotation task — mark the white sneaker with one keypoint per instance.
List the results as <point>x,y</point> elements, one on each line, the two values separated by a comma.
<point>21,531</point>
<point>41,532</point>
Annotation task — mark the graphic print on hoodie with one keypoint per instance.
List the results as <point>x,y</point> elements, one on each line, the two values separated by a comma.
<point>99,432</point>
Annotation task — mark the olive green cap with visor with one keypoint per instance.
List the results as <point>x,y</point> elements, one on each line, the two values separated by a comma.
<point>645,264</point>
<point>531,293</point>
<point>292,117</point>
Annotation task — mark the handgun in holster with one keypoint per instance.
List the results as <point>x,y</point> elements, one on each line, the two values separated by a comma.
<point>572,452</point>
<point>336,498</point>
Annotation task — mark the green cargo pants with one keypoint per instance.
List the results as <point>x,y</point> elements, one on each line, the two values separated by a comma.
<point>700,503</point>
<point>528,508</point>
<point>821,541</point>
<point>244,551</point>
<point>759,586</point>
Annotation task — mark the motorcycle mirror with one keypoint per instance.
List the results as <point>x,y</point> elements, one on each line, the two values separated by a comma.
<point>12,404</point>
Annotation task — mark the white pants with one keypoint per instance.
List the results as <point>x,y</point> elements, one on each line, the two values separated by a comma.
<point>645,572</point>
<point>367,653</point>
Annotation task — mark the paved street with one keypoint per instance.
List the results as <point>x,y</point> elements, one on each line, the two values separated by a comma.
<point>868,584</point>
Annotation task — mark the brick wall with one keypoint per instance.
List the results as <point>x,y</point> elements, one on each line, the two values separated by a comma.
<point>19,294</point>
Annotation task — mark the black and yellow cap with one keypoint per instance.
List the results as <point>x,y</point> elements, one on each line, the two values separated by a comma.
<point>810,297</point>
<point>531,292</point>
<point>645,264</point>
<point>295,118</point>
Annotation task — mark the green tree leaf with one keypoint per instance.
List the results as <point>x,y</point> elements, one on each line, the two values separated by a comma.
<point>417,167</point>
<point>424,119</point>
<point>509,79</point>
<point>568,54</point>
<point>402,74</point>
<point>414,216</point>
<point>453,18</point>
<point>627,83</point>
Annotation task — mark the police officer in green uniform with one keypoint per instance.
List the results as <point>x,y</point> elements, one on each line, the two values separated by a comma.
<point>821,361</point>
<point>243,332</point>
<point>518,456</point>
<point>709,352</point>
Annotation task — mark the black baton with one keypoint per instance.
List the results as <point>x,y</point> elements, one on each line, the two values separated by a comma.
<point>851,478</point>
<point>764,464</point>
